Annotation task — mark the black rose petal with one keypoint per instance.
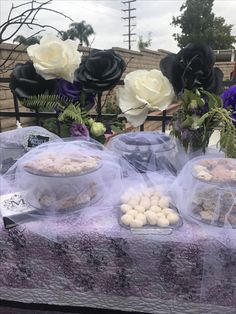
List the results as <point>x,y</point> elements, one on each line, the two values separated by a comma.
<point>25,82</point>
<point>191,68</point>
<point>100,71</point>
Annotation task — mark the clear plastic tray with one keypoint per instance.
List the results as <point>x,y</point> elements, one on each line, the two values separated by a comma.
<point>63,174</point>
<point>149,229</point>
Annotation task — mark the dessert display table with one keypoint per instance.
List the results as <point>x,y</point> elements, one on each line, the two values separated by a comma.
<point>89,260</point>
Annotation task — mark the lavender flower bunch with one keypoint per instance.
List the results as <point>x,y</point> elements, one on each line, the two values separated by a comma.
<point>79,130</point>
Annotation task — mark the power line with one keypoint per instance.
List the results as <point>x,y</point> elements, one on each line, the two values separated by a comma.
<point>130,18</point>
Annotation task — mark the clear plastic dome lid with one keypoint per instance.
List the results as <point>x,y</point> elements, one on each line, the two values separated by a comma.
<point>62,177</point>
<point>141,141</point>
<point>215,170</point>
<point>209,182</point>
<point>26,138</point>
<point>149,151</point>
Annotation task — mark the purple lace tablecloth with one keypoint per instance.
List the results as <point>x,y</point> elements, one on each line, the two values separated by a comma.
<point>89,260</point>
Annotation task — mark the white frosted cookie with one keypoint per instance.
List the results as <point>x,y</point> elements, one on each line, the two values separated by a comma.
<point>125,208</point>
<point>126,219</point>
<point>136,223</point>
<point>151,217</point>
<point>164,201</point>
<point>162,222</point>
<point>173,218</point>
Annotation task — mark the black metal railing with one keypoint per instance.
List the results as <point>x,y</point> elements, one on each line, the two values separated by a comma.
<point>39,116</point>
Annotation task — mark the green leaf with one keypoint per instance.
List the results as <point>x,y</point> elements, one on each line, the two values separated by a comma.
<point>116,129</point>
<point>46,102</point>
<point>73,113</point>
<point>187,123</point>
<point>202,119</point>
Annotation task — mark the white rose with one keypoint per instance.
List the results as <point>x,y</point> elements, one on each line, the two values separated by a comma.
<point>55,58</point>
<point>144,91</point>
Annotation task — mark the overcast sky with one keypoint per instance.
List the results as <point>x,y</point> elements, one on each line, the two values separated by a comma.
<point>105,16</point>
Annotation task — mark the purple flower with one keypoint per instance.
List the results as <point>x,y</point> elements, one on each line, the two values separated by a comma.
<point>200,111</point>
<point>229,100</point>
<point>204,109</point>
<point>75,93</point>
<point>70,90</point>
<point>79,130</point>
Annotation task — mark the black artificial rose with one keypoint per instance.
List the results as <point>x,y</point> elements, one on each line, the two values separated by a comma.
<point>25,82</point>
<point>191,68</point>
<point>100,71</point>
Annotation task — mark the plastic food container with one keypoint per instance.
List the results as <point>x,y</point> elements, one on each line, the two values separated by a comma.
<point>60,177</point>
<point>146,151</point>
<point>148,209</point>
<point>213,187</point>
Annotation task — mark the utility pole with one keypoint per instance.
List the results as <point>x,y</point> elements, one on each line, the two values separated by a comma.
<point>129,18</point>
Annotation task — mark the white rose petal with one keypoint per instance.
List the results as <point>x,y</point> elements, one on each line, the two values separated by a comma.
<point>55,58</point>
<point>135,111</point>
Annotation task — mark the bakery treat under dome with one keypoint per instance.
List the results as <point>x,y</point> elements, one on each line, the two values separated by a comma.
<point>210,184</point>
<point>64,177</point>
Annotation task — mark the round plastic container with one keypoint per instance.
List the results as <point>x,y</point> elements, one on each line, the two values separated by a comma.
<point>63,192</point>
<point>213,188</point>
<point>60,177</point>
<point>146,151</point>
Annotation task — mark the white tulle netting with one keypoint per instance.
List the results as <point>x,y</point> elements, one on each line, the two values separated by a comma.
<point>149,151</point>
<point>59,178</point>
<point>205,192</point>
<point>15,143</point>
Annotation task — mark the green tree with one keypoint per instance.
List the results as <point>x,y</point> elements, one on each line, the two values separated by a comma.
<point>78,30</point>
<point>142,44</point>
<point>198,23</point>
<point>27,41</point>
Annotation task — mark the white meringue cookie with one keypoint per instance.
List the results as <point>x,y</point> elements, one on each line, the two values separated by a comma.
<point>134,201</point>
<point>141,217</point>
<point>139,209</point>
<point>151,217</point>
<point>164,202</point>
<point>154,201</point>
<point>160,215</point>
<point>162,222</point>
<point>155,208</point>
<point>125,207</point>
<point>132,213</point>
<point>136,223</point>
<point>173,218</point>
<point>126,219</point>
<point>167,211</point>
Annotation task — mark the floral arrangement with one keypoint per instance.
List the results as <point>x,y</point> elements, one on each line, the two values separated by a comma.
<point>190,78</point>
<point>57,78</point>
<point>197,84</point>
